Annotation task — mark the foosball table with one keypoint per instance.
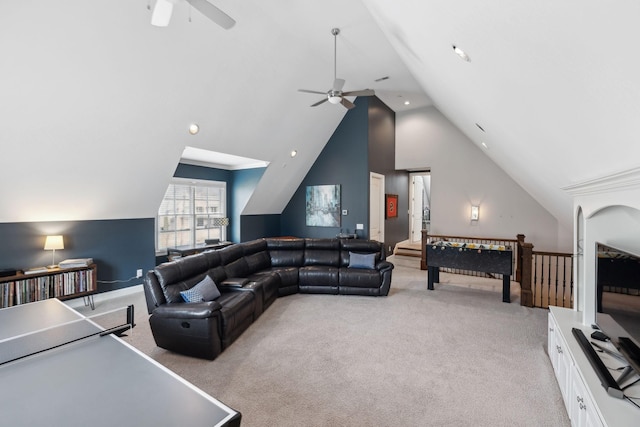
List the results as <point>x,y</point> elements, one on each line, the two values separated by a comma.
<point>470,256</point>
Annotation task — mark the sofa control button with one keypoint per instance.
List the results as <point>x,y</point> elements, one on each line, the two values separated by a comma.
<point>185,325</point>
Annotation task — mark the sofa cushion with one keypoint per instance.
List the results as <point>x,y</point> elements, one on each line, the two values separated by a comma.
<point>206,290</point>
<point>359,278</point>
<point>357,260</point>
<point>317,276</point>
<point>322,252</point>
<point>287,252</point>
<point>180,275</point>
<point>230,254</point>
<point>258,261</point>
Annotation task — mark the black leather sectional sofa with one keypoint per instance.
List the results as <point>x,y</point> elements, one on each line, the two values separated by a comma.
<point>249,277</point>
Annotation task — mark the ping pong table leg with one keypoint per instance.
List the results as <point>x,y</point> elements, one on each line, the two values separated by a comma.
<point>88,301</point>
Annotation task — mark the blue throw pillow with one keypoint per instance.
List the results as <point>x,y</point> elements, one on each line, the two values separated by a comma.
<point>357,260</point>
<point>205,290</point>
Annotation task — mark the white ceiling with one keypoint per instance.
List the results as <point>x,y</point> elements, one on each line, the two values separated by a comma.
<point>95,102</point>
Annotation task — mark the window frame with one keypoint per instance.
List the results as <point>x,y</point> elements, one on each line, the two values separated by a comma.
<point>195,214</point>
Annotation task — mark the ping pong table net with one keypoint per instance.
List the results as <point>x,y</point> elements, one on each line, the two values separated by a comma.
<point>114,322</point>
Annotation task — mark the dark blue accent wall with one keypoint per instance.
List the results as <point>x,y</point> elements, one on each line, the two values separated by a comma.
<point>344,161</point>
<point>244,183</point>
<point>258,226</point>
<point>118,247</point>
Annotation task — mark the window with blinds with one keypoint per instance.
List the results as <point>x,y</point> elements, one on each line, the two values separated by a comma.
<point>186,214</point>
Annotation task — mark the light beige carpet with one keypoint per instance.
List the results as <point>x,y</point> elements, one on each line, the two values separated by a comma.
<point>455,356</point>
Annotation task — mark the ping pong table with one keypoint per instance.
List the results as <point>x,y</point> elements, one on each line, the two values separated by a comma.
<point>95,381</point>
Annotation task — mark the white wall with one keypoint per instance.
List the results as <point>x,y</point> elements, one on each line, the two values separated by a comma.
<point>461,176</point>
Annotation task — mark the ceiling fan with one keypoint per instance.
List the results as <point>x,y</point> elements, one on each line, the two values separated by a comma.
<point>164,8</point>
<point>335,95</point>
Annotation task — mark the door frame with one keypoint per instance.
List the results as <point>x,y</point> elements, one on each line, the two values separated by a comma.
<point>381,193</point>
<point>412,176</point>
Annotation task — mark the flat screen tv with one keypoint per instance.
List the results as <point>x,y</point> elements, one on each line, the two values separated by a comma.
<point>618,297</point>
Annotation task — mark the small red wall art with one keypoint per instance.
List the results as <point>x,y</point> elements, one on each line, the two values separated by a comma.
<point>391,210</point>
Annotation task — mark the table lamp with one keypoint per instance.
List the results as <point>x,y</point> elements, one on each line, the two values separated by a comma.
<point>51,244</point>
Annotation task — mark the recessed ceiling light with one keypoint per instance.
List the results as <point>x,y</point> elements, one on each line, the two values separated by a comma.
<point>294,153</point>
<point>461,53</point>
<point>194,128</point>
<point>407,102</point>
<point>485,145</point>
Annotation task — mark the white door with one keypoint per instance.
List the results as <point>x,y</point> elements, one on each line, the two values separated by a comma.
<point>376,207</point>
<point>420,206</point>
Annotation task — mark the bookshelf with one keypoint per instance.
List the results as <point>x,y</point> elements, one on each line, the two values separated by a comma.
<point>61,283</point>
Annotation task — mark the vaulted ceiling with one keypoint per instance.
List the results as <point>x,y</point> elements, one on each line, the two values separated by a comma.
<point>95,102</point>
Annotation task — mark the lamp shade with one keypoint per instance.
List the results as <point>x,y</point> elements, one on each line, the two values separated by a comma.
<point>220,222</point>
<point>53,243</point>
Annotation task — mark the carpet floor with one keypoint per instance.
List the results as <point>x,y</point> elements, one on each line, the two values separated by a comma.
<point>455,356</point>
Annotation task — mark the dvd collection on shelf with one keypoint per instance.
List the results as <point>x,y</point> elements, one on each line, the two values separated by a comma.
<point>6,294</point>
<point>73,278</point>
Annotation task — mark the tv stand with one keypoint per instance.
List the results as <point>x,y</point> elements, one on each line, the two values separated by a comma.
<point>587,401</point>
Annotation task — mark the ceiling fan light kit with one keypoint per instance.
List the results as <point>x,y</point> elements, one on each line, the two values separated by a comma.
<point>335,95</point>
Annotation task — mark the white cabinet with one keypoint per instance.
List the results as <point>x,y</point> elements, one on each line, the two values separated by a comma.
<point>560,360</point>
<point>581,407</point>
<point>587,402</point>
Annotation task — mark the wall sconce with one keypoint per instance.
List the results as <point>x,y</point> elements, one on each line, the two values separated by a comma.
<point>52,243</point>
<point>475,213</point>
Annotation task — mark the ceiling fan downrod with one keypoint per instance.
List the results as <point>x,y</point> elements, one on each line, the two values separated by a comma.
<point>335,32</point>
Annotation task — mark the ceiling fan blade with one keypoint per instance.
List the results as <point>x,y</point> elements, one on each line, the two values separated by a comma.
<point>312,91</point>
<point>320,102</point>
<point>365,92</point>
<point>161,14</point>
<point>213,13</point>
<point>338,84</point>
<point>347,103</point>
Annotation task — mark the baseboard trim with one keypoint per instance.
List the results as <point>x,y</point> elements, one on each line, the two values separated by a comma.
<point>105,296</point>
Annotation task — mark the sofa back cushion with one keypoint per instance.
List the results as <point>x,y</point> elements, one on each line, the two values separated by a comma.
<point>182,274</point>
<point>256,253</point>
<point>287,252</point>
<point>359,246</point>
<point>324,252</point>
<point>232,258</point>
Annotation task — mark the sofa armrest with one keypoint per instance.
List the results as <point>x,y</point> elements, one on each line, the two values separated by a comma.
<point>191,310</point>
<point>384,266</point>
<point>234,282</point>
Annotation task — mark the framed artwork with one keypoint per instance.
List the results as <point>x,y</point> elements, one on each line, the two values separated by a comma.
<point>323,206</point>
<point>391,206</point>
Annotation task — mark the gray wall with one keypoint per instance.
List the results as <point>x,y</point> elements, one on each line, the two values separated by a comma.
<point>463,175</point>
<point>382,155</point>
